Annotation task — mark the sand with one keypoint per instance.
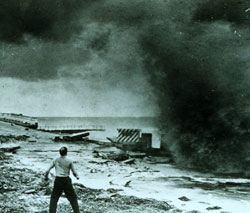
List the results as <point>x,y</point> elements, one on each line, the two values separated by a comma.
<point>148,184</point>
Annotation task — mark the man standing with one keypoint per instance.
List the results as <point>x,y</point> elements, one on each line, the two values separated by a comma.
<point>63,182</point>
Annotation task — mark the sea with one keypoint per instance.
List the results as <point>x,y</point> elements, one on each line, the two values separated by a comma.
<point>107,122</point>
<point>106,126</point>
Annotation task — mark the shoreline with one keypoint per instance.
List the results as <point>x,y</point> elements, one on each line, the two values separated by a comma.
<point>146,180</point>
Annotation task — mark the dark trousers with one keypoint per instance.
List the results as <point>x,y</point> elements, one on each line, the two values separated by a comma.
<point>63,184</point>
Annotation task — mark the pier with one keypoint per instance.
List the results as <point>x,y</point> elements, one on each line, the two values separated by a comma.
<point>70,128</point>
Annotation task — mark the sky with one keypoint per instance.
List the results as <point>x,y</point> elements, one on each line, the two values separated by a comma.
<point>58,59</point>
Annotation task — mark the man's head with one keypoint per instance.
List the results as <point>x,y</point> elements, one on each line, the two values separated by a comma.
<point>63,151</point>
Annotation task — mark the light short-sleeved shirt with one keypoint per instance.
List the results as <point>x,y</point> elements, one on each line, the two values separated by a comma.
<point>62,166</point>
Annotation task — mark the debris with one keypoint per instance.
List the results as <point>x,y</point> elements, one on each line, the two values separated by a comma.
<point>99,155</point>
<point>94,171</point>
<point>127,183</point>
<point>158,160</point>
<point>184,198</point>
<point>103,196</point>
<point>30,191</point>
<point>79,185</point>
<point>137,155</point>
<point>100,163</point>
<point>112,190</point>
<point>111,183</point>
<point>213,208</point>
<point>129,161</point>
<point>10,149</point>
<point>12,138</point>
<point>80,136</point>
<point>118,157</point>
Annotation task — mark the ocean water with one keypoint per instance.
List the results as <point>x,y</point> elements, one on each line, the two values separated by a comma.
<point>107,122</point>
<point>110,124</point>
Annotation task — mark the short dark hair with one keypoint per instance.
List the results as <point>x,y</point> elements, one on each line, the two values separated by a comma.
<point>63,151</point>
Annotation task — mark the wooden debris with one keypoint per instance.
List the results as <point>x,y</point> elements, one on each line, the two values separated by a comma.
<point>129,161</point>
<point>127,183</point>
<point>30,191</point>
<point>10,149</point>
<point>213,208</point>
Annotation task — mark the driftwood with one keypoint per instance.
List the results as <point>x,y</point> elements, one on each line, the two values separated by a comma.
<point>129,161</point>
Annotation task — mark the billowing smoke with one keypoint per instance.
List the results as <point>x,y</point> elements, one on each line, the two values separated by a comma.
<point>195,54</point>
<point>201,75</point>
<point>224,10</point>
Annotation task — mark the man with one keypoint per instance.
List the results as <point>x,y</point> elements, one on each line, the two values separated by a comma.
<point>63,182</point>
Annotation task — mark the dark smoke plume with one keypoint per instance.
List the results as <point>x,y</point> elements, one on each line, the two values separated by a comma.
<point>224,10</point>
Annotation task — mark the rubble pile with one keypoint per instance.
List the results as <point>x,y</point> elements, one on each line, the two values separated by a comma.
<point>12,138</point>
<point>4,159</point>
<point>119,157</point>
<point>18,186</point>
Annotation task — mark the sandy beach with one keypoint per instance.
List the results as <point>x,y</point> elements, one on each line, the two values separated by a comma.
<point>149,184</point>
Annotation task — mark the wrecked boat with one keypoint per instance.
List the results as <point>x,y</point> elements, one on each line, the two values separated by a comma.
<point>72,137</point>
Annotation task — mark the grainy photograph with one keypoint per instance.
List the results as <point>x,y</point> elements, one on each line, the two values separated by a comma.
<point>118,106</point>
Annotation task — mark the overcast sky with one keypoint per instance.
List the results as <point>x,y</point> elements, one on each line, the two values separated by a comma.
<point>59,59</point>
<point>115,57</point>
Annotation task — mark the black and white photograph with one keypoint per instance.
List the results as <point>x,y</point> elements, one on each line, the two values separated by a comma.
<point>124,106</point>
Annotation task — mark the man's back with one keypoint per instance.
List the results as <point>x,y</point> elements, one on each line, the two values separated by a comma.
<point>62,166</point>
<point>63,182</point>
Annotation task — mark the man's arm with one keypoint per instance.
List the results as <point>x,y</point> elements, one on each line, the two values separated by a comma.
<point>48,170</point>
<point>74,171</point>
